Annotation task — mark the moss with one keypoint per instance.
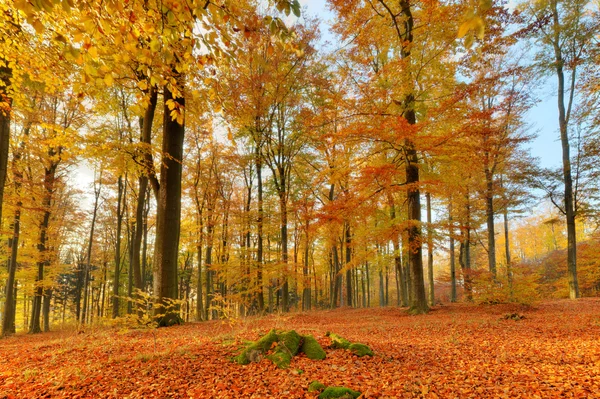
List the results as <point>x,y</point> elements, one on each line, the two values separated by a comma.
<point>312,349</point>
<point>316,386</point>
<point>338,342</point>
<point>360,350</point>
<point>280,359</point>
<point>288,346</point>
<point>256,350</point>
<point>291,340</point>
<point>339,392</point>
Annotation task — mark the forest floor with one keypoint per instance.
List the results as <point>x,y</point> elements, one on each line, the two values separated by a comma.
<point>456,351</point>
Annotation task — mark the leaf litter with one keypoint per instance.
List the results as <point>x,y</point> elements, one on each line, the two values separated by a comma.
<point>456,351</point>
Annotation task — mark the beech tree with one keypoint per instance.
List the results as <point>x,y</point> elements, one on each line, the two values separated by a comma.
<point>564,30</point>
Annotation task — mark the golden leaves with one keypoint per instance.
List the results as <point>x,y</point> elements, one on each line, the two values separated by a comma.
<point>473,25</point>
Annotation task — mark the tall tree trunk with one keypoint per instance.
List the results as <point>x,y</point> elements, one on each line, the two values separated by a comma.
<point>147,173</point>
<point>348,262</point>
<point>430,251</point>
<point>8,323</point>
<point>168,216</point>
<point>117,272</point>
<point>418,301</point>
<point>306,292</point>
<point>5,113</point>
<point>88,263</point>
<point>402,300</point>
<point>259,232</point>
<point>563,123</point>
<point>509,272</point>
<point>452,255</point>
<point>209,273</point>
<point>49,180</point>
<point>489,213</point>
<point>284,244</point>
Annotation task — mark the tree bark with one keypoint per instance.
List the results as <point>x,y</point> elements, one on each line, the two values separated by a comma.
<point>49,180</point>
<point>452,255</point>
<point>5,112</point>
<point>348,261</point>
<point>259,228</point>
<point>117,271</point>
<point>88,263</point>
<point>147,173</point>
<point>563,116</point>
<point>489,213</point>
<point>168,216</point>
<point>430,251</point>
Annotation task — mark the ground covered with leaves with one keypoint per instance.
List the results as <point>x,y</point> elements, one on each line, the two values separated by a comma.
<point>457,351</point>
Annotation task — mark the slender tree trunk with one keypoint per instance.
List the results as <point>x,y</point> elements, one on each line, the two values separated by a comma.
<point>117,271</point>
<point>259,228</point>
<point>284,247</point>
<point>452,256</point>
<point>209,273</point>
<point>89,248</point>
<point>5,113</point>
<point>306,292</point>
<point>49,181</point>
<point>168,216</point>
<point>430,251</point>
<point>563,123</point>
<point>46,308</point>
<point>348,262</point>
<point>509,272</point>
<point>8,323</point>
<point>489,213</point>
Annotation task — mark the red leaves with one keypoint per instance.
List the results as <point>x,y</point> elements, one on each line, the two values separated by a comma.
<point>457,351</point>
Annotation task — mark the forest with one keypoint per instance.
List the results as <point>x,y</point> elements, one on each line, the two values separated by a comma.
<point>239,165</point>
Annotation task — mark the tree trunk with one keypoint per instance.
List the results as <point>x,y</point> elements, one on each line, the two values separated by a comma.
<point>5,111</point>
<point>306,292</point>
<point>8,323</point>
<point>49,180</point>
<point>168,216</point>
<point>46,308</point>
<point>452,256</point>
<point>509,272</point>
<point>117,272</point>
<point>89,248</point>
<point>259,226</point>
<point>489,213</point>
<point>348,261</point>
<point>430,251</point>
<point>418,298</point>
<point>563,123</point>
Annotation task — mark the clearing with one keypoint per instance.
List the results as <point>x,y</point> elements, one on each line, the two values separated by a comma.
<point>456,351</point>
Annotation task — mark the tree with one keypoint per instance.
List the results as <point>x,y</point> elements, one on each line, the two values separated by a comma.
<point>565,31</point>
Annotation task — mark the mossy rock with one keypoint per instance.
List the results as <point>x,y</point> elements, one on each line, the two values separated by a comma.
<point>339,392</point>
<point>289,341</point>
<point>360,350</point>
<point>280,359</point>
<point>338,342</point>
<point>256,350</point>
<point>312,349</point>
<point>316,386</point>
<point>286,349</point>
